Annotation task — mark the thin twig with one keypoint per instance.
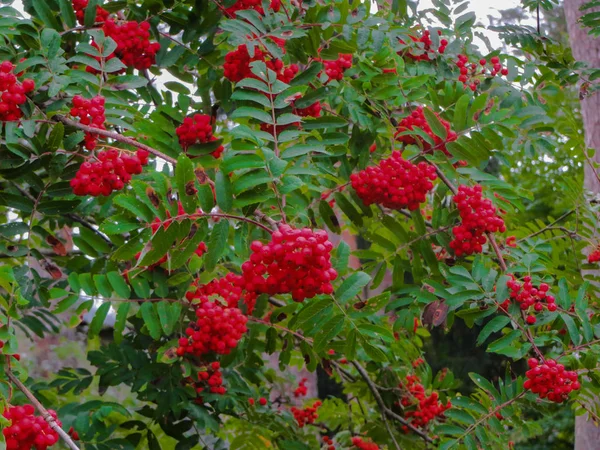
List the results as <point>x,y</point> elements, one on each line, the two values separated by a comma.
<point>43,411</point>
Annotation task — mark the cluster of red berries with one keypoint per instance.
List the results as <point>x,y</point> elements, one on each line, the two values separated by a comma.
<point>594,256</point>
<point>256,5</point>
<point>426,47</point>
<point>306,415</point>
<point>109,173</point>
<point>550,380</point>
<point>301,390</point>
<point>197,130</point>
<point>529,296</point>
<point>90,112</point>
<point>79,8</point>
<point>227,291</point>
<point>417,120</point>
<point>471,73</point>
<point>217,329</point>
<point>361,444</point>
<point>134,48</point>
<point>394,183</point>
<point>237,65</point>
<point>212,378</point>
<point>328,443</point>
<point>12,93</point>
<point>427,408</point>
<point>296,261</point>
<point>26,431</point>
<point>261,401</point>
<point>313,110</point>
<point>478,217</point>
<point>334,69</point>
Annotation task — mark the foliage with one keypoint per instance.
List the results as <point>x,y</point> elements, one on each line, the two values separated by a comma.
<point>131,257</point>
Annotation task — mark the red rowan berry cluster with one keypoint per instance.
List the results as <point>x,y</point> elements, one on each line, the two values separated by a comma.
<point>425,44</point>
<point>296,261</point>
<point>26,431</point>
<point>79,8</point>
<point>394,183</point>
<point>306,415</point>
<point>529,296</point>
<point>211,378</point>
<point>301,390</point>
<point>134,48</point>
<point>197,130</point>
<point>550,380</point>
<point>109,173</point>
<point>478,216</point>
<point>12,93</point>
<point>471,73</point>
<point>90,112</point>
<point>226,291</point>
<point>217,329</point>
<point>237,65</point>
<point>328,443</point>
<point>364,445</point>
<point>594,256</point>
<point>417,120</point>
<point>313,110</point>
<point>251,4</point>
<point>427,408</point>
<point>335,68</point>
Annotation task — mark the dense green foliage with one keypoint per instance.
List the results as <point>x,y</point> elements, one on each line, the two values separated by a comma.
<point>398,296</point>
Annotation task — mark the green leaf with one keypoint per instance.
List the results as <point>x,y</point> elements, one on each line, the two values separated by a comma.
<point>373,352</point>
<point>184,177</point>
<point>244,112</point>
<point>505,342</point>
<point>329,331</point>
<point>151,319</point>
<point>352,286</point>
<point>43,11</point>
<point>168,313</point>
<point>494,325</point>
<point>376,331</point>
<point>216,244</point>
<point>350,347</point>
<point>571,328</point>
<point>460,112</point>
<point>120,321</point>
<point>119,284</point>
<point>98,320</point>
<point>224,191</point>
<point>135,206</point>
<point>50,42</point>
<point>434,123</point>
<point>310,311</point>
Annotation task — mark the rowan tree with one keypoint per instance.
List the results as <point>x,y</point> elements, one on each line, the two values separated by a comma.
<point>318,187</point>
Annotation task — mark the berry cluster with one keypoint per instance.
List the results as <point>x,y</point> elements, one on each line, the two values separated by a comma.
<point>261,401</point>
<point>417,120</point>
<point>26,431</point>
<point>427,408</point>
<point>471,73</point>
<point>12,93</point>
<point>594,256</point>
<point>109,173</point>
<point>550,380</point>
<point>237,65</point>
<point>334,69</point>
<point>90,112</point>
<point>225,291</point>
<point>425,45</point>
<point>529,296</point>
<point>79,8</point>
<point>212,378</point>
<point>306,415</point>
<point>134,48</point>
<point>361,444</point>
<point>197,130</point>
<point>301,390</point>
<point>313,110</point>
<point>328,443</point>
<point>394,183</point>
<point>478,217</point>
<point>256,5</point>
<point>296,261</point>
<point>217,329</point>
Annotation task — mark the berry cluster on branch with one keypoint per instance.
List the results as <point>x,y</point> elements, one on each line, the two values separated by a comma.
<point>90,112</point>
<point>417,120</point>
<point>425,45</point>
<point>420,408</point>
<point>472,73</point>
<point>361,444</point>
<point>335,68</point>
<point>197,130</point>
<point>394,183</point>
<point>550,380</point>
<point>28,431</point>
<point>478,217</point>
<point>301,390</point>
<point>79,7</point>
<point>529,297</point>
<point>237,65</point>
<point>12,92</point>
<point>306,415</point>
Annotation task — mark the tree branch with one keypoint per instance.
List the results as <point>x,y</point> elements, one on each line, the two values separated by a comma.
<point>43,411</point>
<point>116,137</point>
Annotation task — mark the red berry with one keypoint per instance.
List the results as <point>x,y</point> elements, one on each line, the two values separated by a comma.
<point>482,61</point>
<point>262,401</point>
<point>197,130</point>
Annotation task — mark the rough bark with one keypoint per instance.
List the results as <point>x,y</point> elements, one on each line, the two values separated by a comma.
<point>587,49</point>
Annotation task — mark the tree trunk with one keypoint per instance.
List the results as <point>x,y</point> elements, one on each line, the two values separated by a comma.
<point>587,49</point>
